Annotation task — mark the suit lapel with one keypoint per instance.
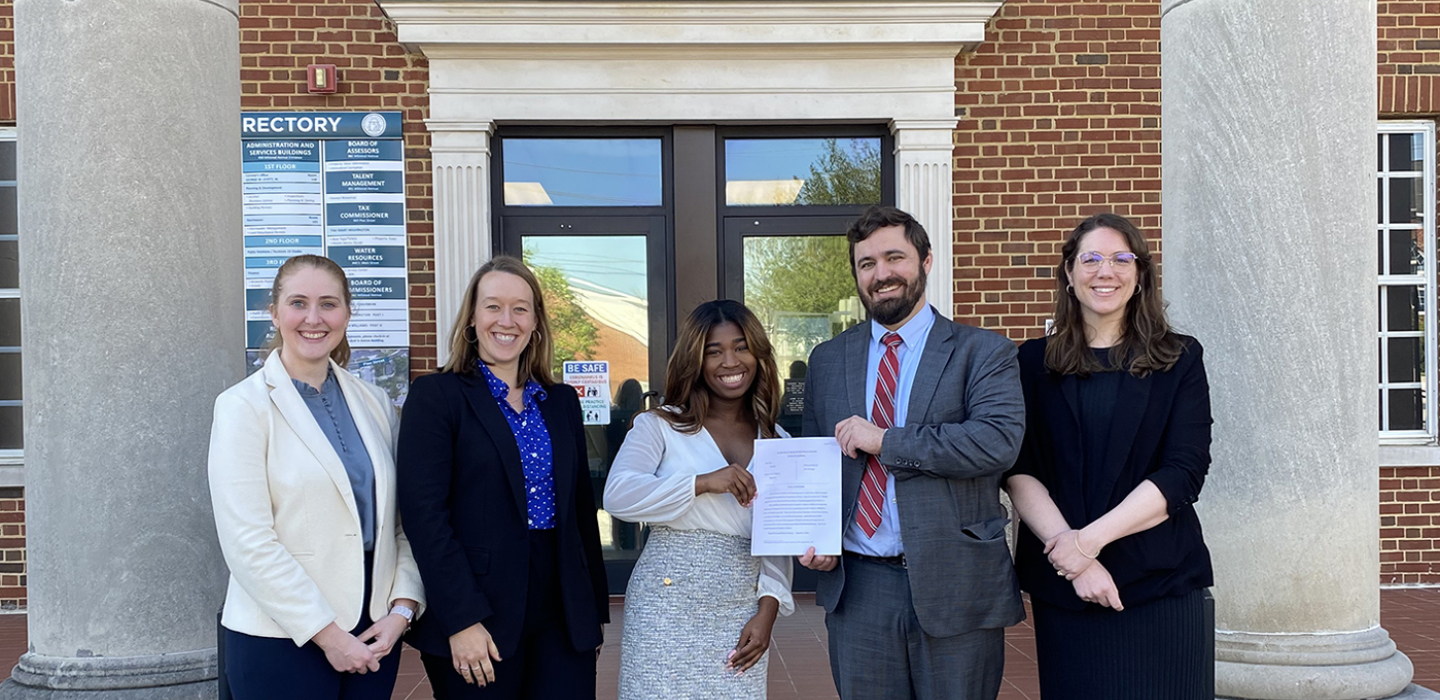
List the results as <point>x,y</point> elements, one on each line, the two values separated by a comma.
<point>933,359</point>
<point>302,422</point>
<point>1131,402</point>
<point>562,450</point>
<point>371,424</point>
<point>857,352</point>
<point>1070,389</point>
<point>483,403</point>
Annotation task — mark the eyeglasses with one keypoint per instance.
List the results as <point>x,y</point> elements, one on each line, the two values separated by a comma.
<point>1090,261</point>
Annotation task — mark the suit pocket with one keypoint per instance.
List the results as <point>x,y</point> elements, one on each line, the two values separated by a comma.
<point>479,560</point>
<point>991,529</point>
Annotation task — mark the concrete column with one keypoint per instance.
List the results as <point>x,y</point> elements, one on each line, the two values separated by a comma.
<point>130,275</point>
<point>1269,194</point>
<point>924,188</point>
<point>460,158</point>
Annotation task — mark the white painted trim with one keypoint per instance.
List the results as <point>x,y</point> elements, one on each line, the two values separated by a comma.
<point>1410,455</point>
<point>11,474</point>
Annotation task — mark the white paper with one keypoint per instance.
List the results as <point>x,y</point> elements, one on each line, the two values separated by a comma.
<point>797,501</point>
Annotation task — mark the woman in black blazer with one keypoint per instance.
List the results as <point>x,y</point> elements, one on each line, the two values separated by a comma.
<point>495,495</point>
<point>1117,445</point>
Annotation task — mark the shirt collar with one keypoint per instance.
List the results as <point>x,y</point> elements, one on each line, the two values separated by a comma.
<point>499,389</point>
<point>326,386</point>
<point>911,332</point>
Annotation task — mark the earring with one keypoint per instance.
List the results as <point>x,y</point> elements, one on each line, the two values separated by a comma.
<point>1070,289</point>
<point>535,336</point>
<point>470,335</point>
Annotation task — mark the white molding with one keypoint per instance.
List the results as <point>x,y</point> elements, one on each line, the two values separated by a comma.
<point>924,150</point>
<point>460,164</point>
<point>1410,455</point>
<point>11,473</point>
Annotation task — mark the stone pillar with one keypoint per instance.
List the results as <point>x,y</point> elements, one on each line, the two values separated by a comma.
<point>460,159</point>
<point>131,283</point>
<point>924,188</point>
<point>1269,198</point>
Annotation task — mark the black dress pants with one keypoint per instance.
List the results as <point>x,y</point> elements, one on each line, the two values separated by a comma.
<point>545,666</point>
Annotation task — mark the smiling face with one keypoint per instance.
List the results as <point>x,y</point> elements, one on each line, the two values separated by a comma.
<point>729,367</point>
<point>1103,293</point>
<point>890,276</point>
<point>310,314</point>
<point>503,319</point>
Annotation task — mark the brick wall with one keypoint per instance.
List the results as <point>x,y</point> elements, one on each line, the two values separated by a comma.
<point>1410,525</point>
<point>12,548</point>
<point>7,62</point>
<point>1059,119</point>
<point>278,38</point>
<point>1409,58</point>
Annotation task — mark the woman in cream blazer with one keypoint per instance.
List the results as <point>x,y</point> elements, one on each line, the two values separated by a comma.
<point>322,580</point>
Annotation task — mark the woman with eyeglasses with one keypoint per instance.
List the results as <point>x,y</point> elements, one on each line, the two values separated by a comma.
<point>1117,445</point>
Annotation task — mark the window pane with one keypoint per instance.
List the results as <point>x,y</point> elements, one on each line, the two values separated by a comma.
<point>1401,307</point>
<point>1407,152</point>
<point>1406,254</point>
<point>802,171</point>
<point>1405,357</point>
<point>7,159</point>
<point>10,322</point>
<point>11,426</point>
<point>9,376</point>
<point>9,263</point>
<point>1407,409</point>
<point>1407,200</point>
<point>7,211</point>
<point>582,172</point>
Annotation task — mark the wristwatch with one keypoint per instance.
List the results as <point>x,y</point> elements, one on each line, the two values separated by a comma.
<point>404,612</point>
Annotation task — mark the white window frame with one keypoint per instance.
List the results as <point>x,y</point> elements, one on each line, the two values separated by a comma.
<point>1426,280</point>
<point>10,458</point>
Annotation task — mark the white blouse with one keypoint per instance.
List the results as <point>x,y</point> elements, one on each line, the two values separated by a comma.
<point>653,480</point>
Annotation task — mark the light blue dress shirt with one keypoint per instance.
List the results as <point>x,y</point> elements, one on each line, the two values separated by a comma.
<point>886,542</point>
<point>333,415</point>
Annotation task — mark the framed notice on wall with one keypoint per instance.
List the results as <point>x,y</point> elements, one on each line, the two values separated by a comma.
<point>332,184</point>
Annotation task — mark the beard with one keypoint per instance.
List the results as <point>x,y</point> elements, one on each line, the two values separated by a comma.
<point>888,312</point>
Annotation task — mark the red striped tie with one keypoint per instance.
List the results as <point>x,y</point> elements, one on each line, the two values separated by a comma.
<point>882,413</point>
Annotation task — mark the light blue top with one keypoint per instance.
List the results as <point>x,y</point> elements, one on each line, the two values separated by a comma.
<point>333,414</point>
<point>886,542</point>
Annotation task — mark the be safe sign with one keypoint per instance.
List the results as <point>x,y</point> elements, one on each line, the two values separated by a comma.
<point>591,379</point>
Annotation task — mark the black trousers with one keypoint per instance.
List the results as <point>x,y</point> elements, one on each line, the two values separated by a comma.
<point>545,666</point>
<point>268,668</point>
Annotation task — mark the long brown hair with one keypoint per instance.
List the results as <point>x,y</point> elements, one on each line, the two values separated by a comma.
<point>539,353</point>
<point>685,387</point>
<point>341,353</point>
<point>1146,343</point>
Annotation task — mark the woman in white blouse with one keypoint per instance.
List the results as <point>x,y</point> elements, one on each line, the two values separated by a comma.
<point>699,609</point>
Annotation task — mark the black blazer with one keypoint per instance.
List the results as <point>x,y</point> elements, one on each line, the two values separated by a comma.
<point>462,498</point>
<point>1161,432</point>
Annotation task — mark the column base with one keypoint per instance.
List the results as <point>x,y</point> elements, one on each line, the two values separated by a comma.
<point>1336,666</point>
<point>181,676</point>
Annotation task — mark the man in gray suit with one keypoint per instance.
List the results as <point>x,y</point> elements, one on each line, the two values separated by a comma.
<point>929,414</point>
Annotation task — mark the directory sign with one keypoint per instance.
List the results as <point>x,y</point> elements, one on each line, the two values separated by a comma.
<point>332,184</point>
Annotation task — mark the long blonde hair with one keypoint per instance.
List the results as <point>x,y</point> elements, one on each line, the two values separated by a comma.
<point>539,354</point>
<point>341,353</point>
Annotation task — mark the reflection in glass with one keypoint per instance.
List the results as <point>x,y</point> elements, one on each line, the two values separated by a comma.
<point>9,376</point>
<point>802,291</point>
<point>1405,357</point>
<point>1400,307</point>
<point>9,262</point>
<point>582,172</point>
<point>9,323</point>
<point>8,204</point>
<point>1406,255</point>
<point>1407,200</point>
<point>11,428</point>
<point>597,296</point>
<point>1407,152</point>
<point>1407,409</point>
<point>833,171</point>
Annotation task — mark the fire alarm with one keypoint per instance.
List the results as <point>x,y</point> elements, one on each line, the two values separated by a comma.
<point>320,78</point>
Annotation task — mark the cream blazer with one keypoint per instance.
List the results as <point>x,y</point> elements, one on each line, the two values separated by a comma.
<point>288,525</point>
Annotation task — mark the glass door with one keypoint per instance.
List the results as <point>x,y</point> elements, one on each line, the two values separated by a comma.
<point>606,293</point>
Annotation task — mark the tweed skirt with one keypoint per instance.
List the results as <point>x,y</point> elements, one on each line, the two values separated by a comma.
<point>691,593</point>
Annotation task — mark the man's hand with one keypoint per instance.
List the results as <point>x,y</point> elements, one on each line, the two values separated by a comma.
<point>856,435</point>
<point>818,562</point>
<point>474,654</point>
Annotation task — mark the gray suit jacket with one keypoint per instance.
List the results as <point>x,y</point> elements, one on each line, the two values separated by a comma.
<point>963,429</point>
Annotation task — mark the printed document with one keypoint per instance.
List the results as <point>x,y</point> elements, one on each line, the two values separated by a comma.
<point>797,500</point>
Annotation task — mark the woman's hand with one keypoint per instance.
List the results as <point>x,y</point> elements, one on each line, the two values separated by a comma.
<point>474,654</point>
<point>1065,554</point>
<point>754,636</point>
<point>731,479</point>
<point>345,653</point>
<point>383,635</point>
<point>1094,585</point>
